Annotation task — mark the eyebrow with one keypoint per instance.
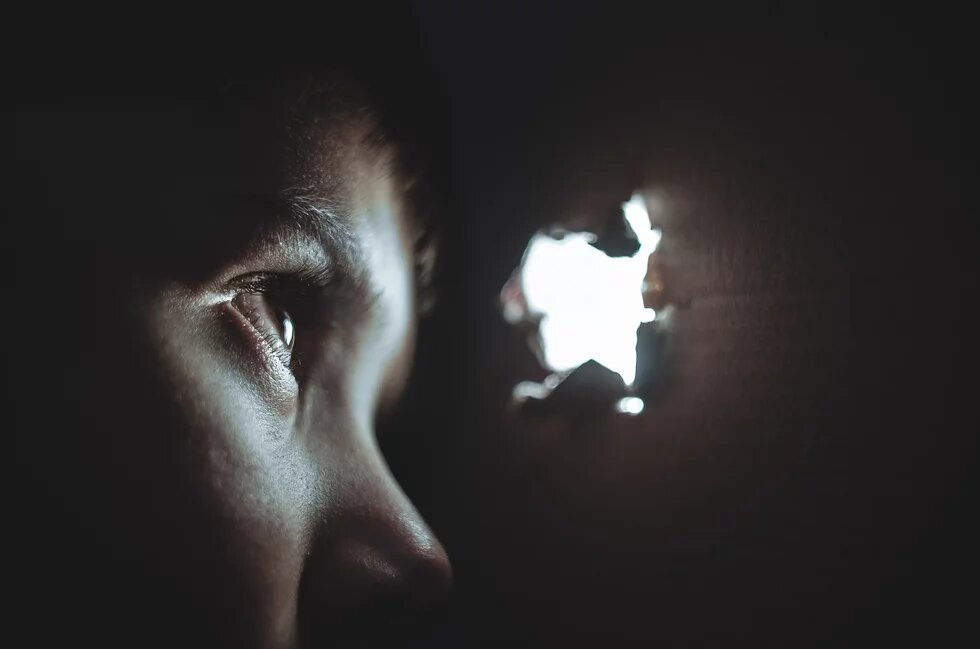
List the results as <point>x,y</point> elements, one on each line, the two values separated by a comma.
<point>319,219</point>
<point>291,213</point>
<point>301,221</point>
<point>326,223</point>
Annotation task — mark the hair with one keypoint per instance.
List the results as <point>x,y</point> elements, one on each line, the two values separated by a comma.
<point>78,128</point>
<point>402,118</point>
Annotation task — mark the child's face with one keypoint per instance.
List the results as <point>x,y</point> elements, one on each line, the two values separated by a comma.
<point>270,324</point>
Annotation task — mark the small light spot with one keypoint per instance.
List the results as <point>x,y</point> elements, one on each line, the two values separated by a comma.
<point>513,312</point>
<point>530,390</point>
<point>630,405</point>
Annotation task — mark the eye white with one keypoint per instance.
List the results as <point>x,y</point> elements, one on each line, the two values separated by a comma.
<point>288,330</point>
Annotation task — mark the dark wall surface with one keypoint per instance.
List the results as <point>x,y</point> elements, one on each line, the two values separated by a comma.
<point>802,482</point>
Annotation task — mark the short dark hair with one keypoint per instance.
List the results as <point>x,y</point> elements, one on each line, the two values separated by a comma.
<point>369,53</point>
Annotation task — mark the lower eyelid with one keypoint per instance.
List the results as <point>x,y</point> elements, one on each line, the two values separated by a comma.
<point>272,358</point>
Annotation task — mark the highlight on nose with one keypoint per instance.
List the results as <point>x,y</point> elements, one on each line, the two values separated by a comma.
<point>376,560</point>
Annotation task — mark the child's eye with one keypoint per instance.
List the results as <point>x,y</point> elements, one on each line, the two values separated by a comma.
<point>288,331</point>
<point>276,306</point>
<point>272,322</point>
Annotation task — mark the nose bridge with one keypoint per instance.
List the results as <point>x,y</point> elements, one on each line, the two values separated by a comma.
<point>376,515</point>
<point>372,550</point>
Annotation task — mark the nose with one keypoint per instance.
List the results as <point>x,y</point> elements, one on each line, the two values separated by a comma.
<point>374,562</point>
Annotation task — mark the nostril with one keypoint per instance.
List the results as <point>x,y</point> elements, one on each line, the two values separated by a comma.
<point>426,571</point>
<point>360,594</point>
<point>430,577</point>
<point>374,571</point>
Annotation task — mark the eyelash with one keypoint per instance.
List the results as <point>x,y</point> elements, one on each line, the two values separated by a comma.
<point>288,293</point>
<point>301,282</point>
<point>272,339</point>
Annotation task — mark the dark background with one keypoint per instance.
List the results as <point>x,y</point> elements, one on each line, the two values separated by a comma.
<point>847,128</point>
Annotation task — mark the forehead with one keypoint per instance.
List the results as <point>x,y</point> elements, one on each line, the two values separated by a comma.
<point>287,144</point>
<point>205,177</point>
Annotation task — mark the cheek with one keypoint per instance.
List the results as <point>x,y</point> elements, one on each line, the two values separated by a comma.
<point>242,494</point>
<point>266,378</point>
<point>385,345</point>
<point>395,334</point>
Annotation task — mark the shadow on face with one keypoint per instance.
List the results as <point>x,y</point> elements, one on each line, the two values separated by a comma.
<point>228,287</point>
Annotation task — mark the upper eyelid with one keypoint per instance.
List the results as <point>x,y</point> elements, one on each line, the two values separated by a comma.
<point>302,280</point>
<point>320,221</point>
<point>281,250</point>
<point>276,233</point>
<point>300,240</point>
<point>314,281</point>
<point>316,222</point>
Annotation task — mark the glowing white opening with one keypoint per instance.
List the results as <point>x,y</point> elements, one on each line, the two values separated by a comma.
<point>590,304</point>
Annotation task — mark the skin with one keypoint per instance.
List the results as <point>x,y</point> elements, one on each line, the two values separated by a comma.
<point>217,485</point>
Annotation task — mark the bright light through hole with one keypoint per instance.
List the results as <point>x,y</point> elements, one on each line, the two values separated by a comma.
<point>590,304</point>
